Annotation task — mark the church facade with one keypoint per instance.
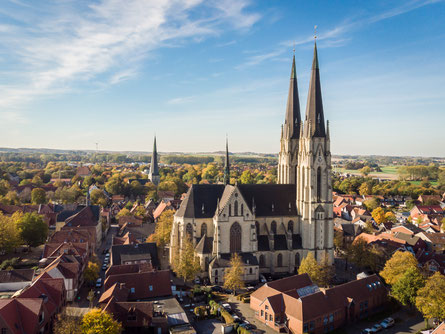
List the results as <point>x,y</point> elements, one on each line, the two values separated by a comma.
<point>271,226</point>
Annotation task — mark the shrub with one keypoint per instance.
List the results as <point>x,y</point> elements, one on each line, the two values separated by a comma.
<point>227,317</point>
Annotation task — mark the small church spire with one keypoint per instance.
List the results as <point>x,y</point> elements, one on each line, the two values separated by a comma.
<point>227,164</point>
<point>154,168</point>
<point>314,106</point>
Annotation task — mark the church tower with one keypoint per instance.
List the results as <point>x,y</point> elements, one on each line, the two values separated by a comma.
<point>227,165</point>
<point>154,176</point>
<point>314,184</point>
<point>290,133</point>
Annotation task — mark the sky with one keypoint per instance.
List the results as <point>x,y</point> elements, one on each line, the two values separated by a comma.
<point>74,73</point>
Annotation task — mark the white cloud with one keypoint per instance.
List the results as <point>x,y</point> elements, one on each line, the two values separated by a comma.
<point>181,100</point>
<point>76,41</point>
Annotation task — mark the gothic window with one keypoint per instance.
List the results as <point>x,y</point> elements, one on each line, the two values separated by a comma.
<point>279,260</point>
<point>273,227</point>
<point>318,184</point>
<point>297,260</point>
<point>262,261</point>
<point>235,208</point>
<point>203,229</point>
<point>242,209</point>
<point>290,226</point>
<point>189,230</point>
<point>257,228</point>
<point>235,238</point>
<point>230,210</point>
<point>250,271</point>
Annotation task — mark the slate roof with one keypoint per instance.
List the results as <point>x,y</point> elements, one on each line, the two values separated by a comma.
<point>280,242</point>
<point>149,248</point>
<point>293,119</point>
<point>205,245</point>
<point>263,243</point>
<point>224,261</point>
<point>200,195</point>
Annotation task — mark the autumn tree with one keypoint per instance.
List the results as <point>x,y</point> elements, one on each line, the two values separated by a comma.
<point>247,177</point>
<point>365,256</point>
<point>98,321</point>
<point>405,289</point>
<point>32,229</point>
<point>187,264</point>
<point>233,278</point>
<point>397,265</point>
<point>38,196</point>
<point>66,324</point>
<point>9,233</point>
<point>430,299</point>
<point>163,229</point>
<point>320,274</point>
<point>98,197</point>
<point>91,272</point>
<point>379,215</point>
<point>124,212</point>
<point>372,204</point>
<point>366,170</point>
<point>365,189</point>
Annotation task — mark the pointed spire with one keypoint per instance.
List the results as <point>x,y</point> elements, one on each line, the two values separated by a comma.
<point>314,107</point>
<point>154,168</point>
<point>293,119</point>
<point>227,164</point>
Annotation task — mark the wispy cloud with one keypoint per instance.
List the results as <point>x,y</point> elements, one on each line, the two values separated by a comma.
<point>181,100</point>
<point>74,41</point>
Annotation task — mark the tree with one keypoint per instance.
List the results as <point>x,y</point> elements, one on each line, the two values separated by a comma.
<point>163,229</point>
<point>366,170</point>
<point>364,256</point>
<point>97,321</point>
<point>379,215</point>
<point>372,204</point>
<point>187,265</point>
<point>405,289</point>
<point>233,279</point>
<point>247,177</point>
<point>390,217</point>
<point>91,272</point>
<point>123,212</point>
<point>98,197</point>
<point>38,196</point>
<point>430,299</point>
<point>311,267</point>
<point>9,233</point>
<point>365,189</point>
<point>32,229</point>
<point>397,265</point>
<point>66,324</point>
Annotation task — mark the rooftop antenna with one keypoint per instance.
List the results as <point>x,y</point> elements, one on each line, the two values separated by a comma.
<point>97,147</point>
<point>294,48</point>
<point>315,32</point>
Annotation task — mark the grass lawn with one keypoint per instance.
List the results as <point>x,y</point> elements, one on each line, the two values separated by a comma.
<point>389,169</point>
<point>417,183</point>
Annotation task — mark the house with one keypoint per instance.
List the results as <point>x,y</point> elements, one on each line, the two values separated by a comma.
<point>166,195</point>
<point>440,329</point>
<point>130,220</point>
<point>83,171</point>
<point>296,303</point>
<point>135,253</point>
<point>23,315</point>
<point>429,199</point>
<point>87,218</point>
<point>75,236</point>
<point>16,279</point>
<point>143,285</point>
<point>128,269</point>
<point>163,206</point>
<point>435,241</point>
<point>419,210</point>
<point>431,261</point>
<point>350,231</point>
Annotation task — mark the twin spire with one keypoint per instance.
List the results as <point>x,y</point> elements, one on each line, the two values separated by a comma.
<point>314,107</point>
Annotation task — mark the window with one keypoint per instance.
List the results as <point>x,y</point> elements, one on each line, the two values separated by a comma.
<point>131,316</point>
<point>235,238</point>
<point>305,328</point>
<point>230,209</point>
<point>267,307</point>
<point>279,260</point>
<point>216,273</point>
<point>189,230</point>
<point>262,313</point>
<point>257,228</point>
<point>242,209</point>
<point>250,270</point>
<point>318,184</point>
<point>312,325</point>
<point>4,331</point>
<point>132,290</point>
<point>273,227</point>
<point>150,287</point>
<point>297,260</point>
<point>203,229</point>
<point>265,315</point>
<point>270,317</point>
<point>290,226</point>
<point>235,208</point>
<point>41,317</point>
<point>325,321</point>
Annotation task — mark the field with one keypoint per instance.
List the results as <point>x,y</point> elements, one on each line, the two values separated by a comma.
<point>388,172</point>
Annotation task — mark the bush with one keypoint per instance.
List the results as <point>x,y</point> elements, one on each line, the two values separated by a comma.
<point>10,263</point>
<point>227,317</point>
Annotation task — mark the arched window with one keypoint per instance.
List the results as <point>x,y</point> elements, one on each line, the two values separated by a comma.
<point>318,184</point>
<point>273,227</point>
<point>189,230</point>
<point>250,270</point>
<point>230,209</point>
<point>235,208</point>
<point>242,209</point>
<point>279,260</point>
<point>203,229</point>
<point>290,226</point>
<point>257,228</point>
<point>297,260</point>
<point>216,273</point>
<point>262,261</point>
<point>235,238</point>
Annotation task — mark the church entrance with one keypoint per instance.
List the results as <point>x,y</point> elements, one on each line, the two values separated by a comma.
<point>235,238</point>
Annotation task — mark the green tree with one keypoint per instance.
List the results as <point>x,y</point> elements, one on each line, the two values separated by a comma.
<point>187,264</point>
<point>32,229</point>
<point>365,256</point>
<point>247,177</point>
<point>366,170</point>
<point>98,197</point>
<point>233,278</point>
<point>397,265</point>
<point>97,321</point>
<point>91,272</point>
<point>123,212</point>
<point>9,233</point>
<point>163,229</point>
<point>405,289</point>
<point>311,267</point>
<point>38,196</point>
<point>372,204</point>
<point>430,299</point>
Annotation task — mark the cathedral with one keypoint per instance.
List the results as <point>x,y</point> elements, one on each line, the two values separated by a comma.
<point>271,226</point>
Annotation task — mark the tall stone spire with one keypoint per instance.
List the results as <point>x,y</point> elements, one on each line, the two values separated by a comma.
<point>154,168</point>
<point>292,121</point>
<point>227,165</point>
<point>314,106</point>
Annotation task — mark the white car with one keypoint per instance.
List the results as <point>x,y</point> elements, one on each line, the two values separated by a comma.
<point>99,283</point>
<point>388,322</point>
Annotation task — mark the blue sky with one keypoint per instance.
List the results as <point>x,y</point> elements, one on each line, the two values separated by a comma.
<point>73,73</point>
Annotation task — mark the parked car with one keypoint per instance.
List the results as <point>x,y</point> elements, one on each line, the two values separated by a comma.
<point>227,306</point>
<point>236,318</point>
<point>217,288</point>
<point>367,331</point>
<point>388,322</point>
<point>99,282</point>
<point>376,328</point>
<point>262,279</point>
<point>106,260</point>
<point>104,267</point>
<point>197,280</point>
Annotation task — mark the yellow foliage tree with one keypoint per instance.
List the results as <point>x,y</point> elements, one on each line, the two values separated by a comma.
<point>397,265</point>
<point>233,279</point>
<point>430,299</point>
<point>9,232</point>
<point>163,229</point>
<point>97,321</point>
<point>379,215</point>
<point>186,265</point>
<point>91,272</point>
<point>311,267</point>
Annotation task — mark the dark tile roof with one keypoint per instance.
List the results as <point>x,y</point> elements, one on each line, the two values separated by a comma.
<point>200,196</point>
<point>205,245</point>
<point>263,243</point>
<point>224,261</point>
<point>117,251</point>
<point>16,275</point>
<point>296,241</point>
<point>280,242</point>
